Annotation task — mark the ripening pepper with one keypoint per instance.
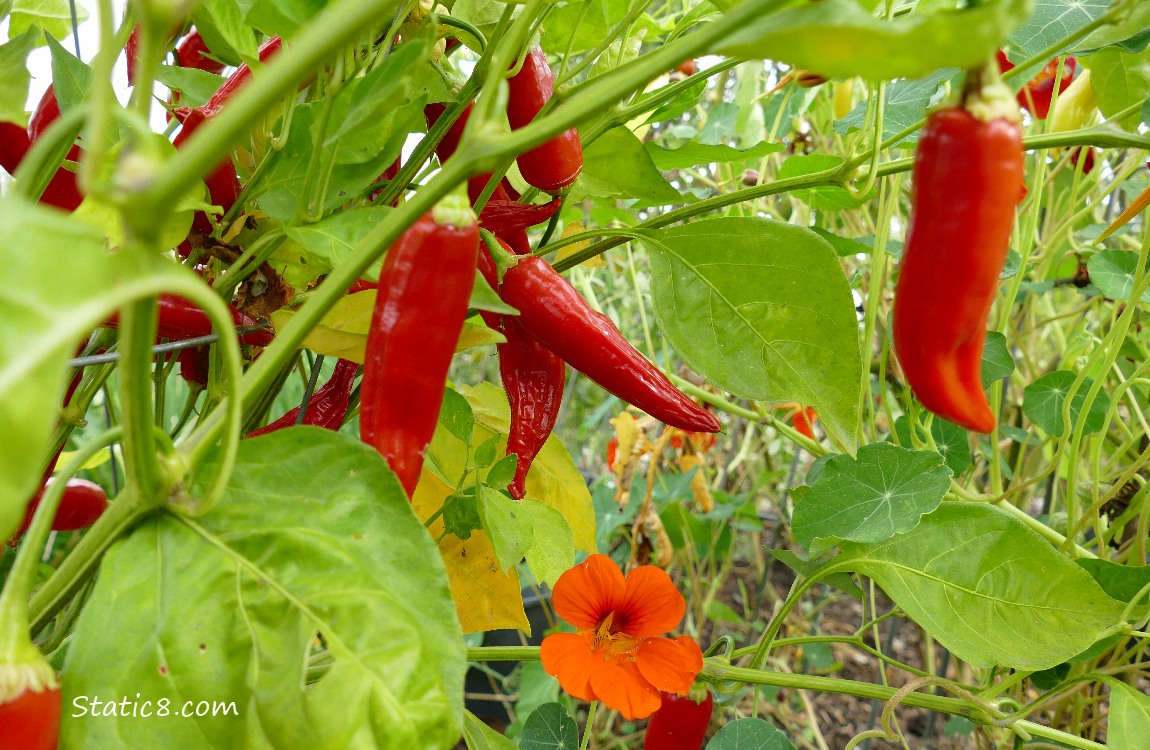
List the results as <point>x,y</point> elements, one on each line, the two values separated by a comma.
<point>680,723</point>
<point>967,180</point>
<point>62,191</point>
<point>424,290</point>
<point>327,407</point>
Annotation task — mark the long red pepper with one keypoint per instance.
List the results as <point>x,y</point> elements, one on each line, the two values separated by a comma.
<point>968,176</point>
<point>1036,95</point>
<point>192,53</point>
<point>14,143</point>
<point>424,289</point>
<point>179,320</point>
<point>223,183</point>
<point>556,164</point>
<point>62,192</point>
<point>560,319</point>
<point>327,407</point>
<point>82,503</point>
<point>533,377</point>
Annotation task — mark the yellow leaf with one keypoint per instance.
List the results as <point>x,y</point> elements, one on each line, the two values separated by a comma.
<point>573,228</point>
<point>98,458</point>
<point>486,598</point>
<point>553,477</point>
<point>343,331</point>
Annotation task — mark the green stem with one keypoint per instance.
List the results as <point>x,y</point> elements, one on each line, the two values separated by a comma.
<point>137,331</point>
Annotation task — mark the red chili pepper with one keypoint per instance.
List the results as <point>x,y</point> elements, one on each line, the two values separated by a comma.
<point>194,365</point>
<point>1036,95</point>
<point>556,164</point>
<point>1083,156</point>
<point>192,52</point>
<point>680,723</point>
<point>327,407</point>
<point>62,192</point>
<point>687,68</point>
<point>223,183</point>
<point>450,142</point>
<point>178,320</point>
<point>533,377</point>
<point>424,289</point>
<point>560,319</point>
<point>31,720</point>
<point>803,421</point>
<point>505,216</point>
<point>14,143</point>
<point>82,503</point>
<point>968,175</point>
<point>388,175</point>
<point>361,285</point>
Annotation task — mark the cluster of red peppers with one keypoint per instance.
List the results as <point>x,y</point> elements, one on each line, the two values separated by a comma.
<point>967,180</point>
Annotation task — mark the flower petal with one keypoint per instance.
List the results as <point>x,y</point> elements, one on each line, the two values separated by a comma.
<point>585,594</point>
<point>568,657</point>
<point>652,605</point>
<point>620,686</point>
<point>670,665</point>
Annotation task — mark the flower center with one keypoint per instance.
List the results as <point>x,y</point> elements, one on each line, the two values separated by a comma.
<point>608,642</point>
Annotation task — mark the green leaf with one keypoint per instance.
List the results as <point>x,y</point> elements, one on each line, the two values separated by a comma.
<point>590,23</point>
<point>479,736</point>
<point>996,360</point>
<point>1112,271</point>
<point>71,78</point>
<point>1121,582</point>
<point>508,525</point>
<point>196,86</point>
<point>552,549</point>
<point>1119,80</point>
<point>328,242</point>
<point>762,309</point>
<point>618,166</point>
<point>1042,402</point>
<point>1053,21</point>
<point>988,587</point>
<point>885,492</point>
<point>53,16</point>
<point>693,154</point>
<point>314,539</point>
<point>840,39</point>
<point>221,24</point>
<point>1129,717</point>
<point>68,284</point>
<point>549,727</point>
<point>483,297</point>
<point>952,441</point>
<point>455,414</point>
<point>486,452</point>
<point>749,734</point>
<point>844,248</point>
<point>906,103</point>
<point>503,471</point>
<point>14,83</point>
<point>825,198</point>
<point>1132,34</point>
<point>807,568</point>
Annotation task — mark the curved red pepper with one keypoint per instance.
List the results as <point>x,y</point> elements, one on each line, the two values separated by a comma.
<point>1036,95</point>
<point>533,377</point>
<point>968,176</point>
<point>178,320</point>
<point>31,720</point>
<point>556,164</point>
<point>192,52</point>
<point>560,319</point>
<point>14,143</point>
<point>450,142</point>
<point>803,421</point>
<point>679,723</point>
<point>82,503</point>
<point>62,192</point>
<point>223,183</point>
<point>327,407</point>
<point>424,289</point>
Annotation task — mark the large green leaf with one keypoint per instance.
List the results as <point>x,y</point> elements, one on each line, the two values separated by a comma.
<point>1112,271</point>
<point>314,539</point>
<point>1055,20</point>
<point>67,284</point>
<point>53,16</point>
<point>905,105</point>
<point>839,38</point>
<point>1042,402</point>
<point>952,441</point>
<point>14,82</point>
<point>762,309</point>
<point>749,734</point>
<point>221,24</point>
<point>549,727</point>
<point>1129,717</point>
<point>988,587</point>
<point>1119,79</point>
<point>885,492</point>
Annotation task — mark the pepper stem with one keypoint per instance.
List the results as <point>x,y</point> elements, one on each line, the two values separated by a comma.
<point>986,96</point>
<point>504,258</point>
<point>454,209</point>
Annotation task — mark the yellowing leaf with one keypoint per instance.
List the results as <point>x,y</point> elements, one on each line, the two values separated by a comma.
<point>99,458</point>
<point>573,228</point>
<point>343,331</point>
<point>485,597</point>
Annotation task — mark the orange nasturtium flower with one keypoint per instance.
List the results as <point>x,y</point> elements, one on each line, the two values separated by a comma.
<point>617,656</point>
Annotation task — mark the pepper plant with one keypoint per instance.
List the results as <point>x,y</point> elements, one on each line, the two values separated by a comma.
<point>300,297</point>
